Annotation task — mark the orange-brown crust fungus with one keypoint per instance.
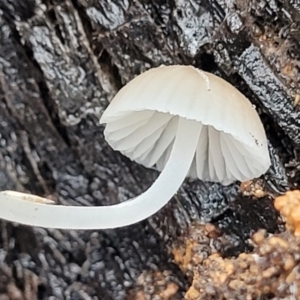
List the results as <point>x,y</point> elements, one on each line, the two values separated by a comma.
<point>289,207</point>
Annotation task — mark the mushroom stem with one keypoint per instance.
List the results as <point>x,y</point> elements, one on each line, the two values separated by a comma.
<point>126,213</point>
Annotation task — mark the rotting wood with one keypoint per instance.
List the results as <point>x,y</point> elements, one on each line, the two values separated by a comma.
<point>61,62</point>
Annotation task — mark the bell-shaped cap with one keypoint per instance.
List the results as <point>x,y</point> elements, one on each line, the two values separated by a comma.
<point>142,119</point>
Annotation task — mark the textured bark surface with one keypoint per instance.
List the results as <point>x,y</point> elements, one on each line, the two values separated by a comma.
<point>61,62</point>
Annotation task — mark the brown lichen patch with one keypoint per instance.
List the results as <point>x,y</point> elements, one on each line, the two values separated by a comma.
<point>271,271</point>
<point>193,247</point>
<point>289,207</point>
<point>277,50</point>
<point>193,292</point>
<point>253,188</point>
<point>259,237</point>
<point>155,285</point>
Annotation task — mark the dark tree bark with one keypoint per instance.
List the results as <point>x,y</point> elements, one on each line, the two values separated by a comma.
<point>61,62</point>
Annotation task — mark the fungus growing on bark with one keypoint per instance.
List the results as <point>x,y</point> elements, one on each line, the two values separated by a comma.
<point>183,121</point>
<point>289,207</point>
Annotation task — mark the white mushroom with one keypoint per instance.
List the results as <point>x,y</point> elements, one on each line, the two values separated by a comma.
<point>184,121</point>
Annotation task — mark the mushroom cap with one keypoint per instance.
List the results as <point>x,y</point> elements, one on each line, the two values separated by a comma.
<point>142,120</point>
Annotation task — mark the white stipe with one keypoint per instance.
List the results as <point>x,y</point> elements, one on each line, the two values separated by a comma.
<point>143,206</point>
